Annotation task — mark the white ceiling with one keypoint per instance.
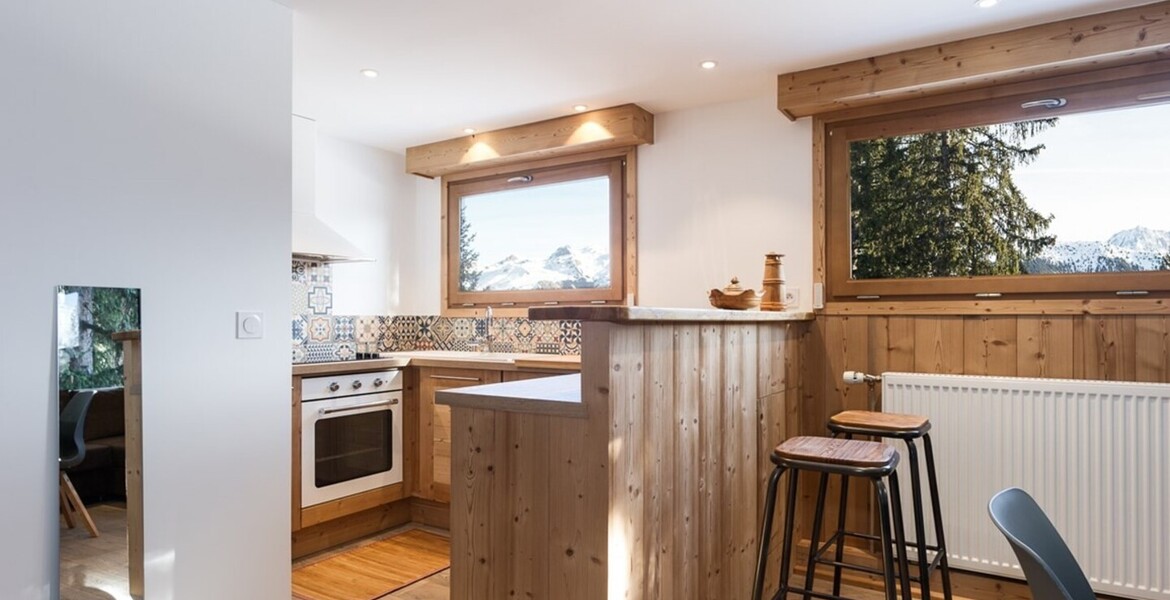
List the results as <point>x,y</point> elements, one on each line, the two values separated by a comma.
<point>450,64</point>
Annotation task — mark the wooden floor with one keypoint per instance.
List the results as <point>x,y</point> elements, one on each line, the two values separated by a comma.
<point>435,587</point>
<point>96,568</point>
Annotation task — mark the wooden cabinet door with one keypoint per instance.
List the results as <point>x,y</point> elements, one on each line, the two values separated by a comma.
<point>434,477</point>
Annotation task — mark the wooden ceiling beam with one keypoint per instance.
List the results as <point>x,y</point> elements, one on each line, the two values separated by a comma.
<point>617,127</point>
<point>1119,37</point>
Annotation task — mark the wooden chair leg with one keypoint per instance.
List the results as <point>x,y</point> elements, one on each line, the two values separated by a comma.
<point>66,510</point>
<point>75,500</point>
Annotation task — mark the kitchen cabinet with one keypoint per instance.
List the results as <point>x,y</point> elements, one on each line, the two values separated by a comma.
<point>434,440</point>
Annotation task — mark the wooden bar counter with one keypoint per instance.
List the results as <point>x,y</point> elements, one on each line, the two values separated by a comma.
<point>652,487</point>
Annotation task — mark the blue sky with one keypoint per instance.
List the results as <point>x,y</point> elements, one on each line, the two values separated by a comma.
<point>1102,172</point>
<point>531,222</point>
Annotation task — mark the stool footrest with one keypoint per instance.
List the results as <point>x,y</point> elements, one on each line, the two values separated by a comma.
<point>830,544</point>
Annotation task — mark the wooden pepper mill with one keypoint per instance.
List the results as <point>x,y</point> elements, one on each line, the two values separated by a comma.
<point>773,282</point>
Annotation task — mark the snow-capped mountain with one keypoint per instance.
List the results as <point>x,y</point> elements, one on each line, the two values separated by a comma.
<point>565,268</point>
<point>1136,249</point>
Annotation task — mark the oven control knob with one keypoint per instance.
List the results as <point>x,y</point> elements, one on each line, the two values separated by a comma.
<point>357,384</point>
<point>333,387</point>
<point>378,382</point>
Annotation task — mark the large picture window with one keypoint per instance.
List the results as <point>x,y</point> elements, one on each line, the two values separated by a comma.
<point>1040,193</point>
<point>538,236</point>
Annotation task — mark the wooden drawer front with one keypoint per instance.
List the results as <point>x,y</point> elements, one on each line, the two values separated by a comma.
<point>434,476</point>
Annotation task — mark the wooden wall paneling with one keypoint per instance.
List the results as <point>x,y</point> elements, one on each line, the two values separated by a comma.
<point>528,498</point>
<point>1048,49</point>
<point>659,455</point>
<point>627,503</point>
<point>990,346</point>
<point>1152,348</point>
<point>411,422</point>
<point>480,543</point>
<point>772,411</point>
<point>1109,347</point>
<point>813,412</point>
<point>336,532</point>
<point>687,398</point>
<point>1045,346</point>
<point>132,417</point>
<point>711,429</point>
<point>820,197</point>
<point>938,345</point>
<point>614,127</point>
<point>847,349</point>
<point>441,450</point>
<point>740,484</point>
<point>579,481</point>
<point>430,513</point>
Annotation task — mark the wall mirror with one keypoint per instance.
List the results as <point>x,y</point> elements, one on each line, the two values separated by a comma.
<point>99,400</point>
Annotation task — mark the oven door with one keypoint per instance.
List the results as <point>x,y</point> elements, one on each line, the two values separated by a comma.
<point>350,445</point>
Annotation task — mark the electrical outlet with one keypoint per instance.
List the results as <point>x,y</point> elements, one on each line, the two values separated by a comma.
<point>791,297</point>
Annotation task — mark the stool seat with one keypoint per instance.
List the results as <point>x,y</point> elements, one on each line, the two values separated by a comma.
<point>853,453</point>
<point>880,421</point>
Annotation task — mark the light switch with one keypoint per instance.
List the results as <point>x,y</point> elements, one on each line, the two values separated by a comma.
<point>249,325</point>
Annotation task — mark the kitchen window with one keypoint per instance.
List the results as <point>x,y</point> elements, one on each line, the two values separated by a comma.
<point>540,233</point>
<point>1026,194</point>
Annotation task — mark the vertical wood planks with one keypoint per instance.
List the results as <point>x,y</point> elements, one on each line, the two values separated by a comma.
<point>528,501</point>
<point>471,509</point>
<point>688,533</point>
<point>938,344</point>
<point>659,456</point>
<point>1045,346</point>
<point>627,578</point>
<point>579,481</point>
<point>656,494</point>
<point>990,346</point>
<point>1152,348</point>
<point>710,459</point>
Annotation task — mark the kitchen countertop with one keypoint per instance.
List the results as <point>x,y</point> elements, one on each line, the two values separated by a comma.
<point>555,396</point>
<point>500,361</point>
<point>650,314</point>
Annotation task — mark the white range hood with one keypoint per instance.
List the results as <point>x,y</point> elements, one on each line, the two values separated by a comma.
<point>312,239</point>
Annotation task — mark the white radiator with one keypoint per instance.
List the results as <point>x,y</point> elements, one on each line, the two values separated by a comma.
<point>1094,454</point>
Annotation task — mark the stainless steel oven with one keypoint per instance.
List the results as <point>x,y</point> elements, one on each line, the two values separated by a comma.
<point>351,434</point>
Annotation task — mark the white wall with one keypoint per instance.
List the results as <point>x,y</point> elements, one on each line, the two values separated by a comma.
<point>720,186</point>
<point>366,195</point>
<point>148,146</point>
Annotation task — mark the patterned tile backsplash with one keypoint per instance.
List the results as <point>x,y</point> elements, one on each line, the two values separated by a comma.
<point>320,336</point>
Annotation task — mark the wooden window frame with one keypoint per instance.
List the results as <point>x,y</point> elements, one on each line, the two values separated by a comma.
<point>1105,88</point>
<point>618,164</point>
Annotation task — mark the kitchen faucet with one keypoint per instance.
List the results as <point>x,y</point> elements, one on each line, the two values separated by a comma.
<point>487,315</point>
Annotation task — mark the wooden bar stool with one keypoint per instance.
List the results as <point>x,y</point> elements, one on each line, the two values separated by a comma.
<point>907,428</point>
<point>875,461</point>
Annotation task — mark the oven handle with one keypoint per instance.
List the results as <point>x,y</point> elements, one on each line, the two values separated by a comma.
<point>329,411</point>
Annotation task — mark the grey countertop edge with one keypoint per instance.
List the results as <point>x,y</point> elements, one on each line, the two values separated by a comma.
<point>648,314</point>
<point>555,396</point>
<point>540,362</point>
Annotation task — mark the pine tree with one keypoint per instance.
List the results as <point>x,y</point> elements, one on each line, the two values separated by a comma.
<point>97,360</point>
<point>1165,264</point>
<point>468,275</point>
<point>943,204</point>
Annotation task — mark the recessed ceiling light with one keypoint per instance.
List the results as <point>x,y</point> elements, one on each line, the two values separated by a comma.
<point>708,64</point>
<point>469,130</point>
<point>580,107</point>
<point>986,3</point>
<point>372,74</point>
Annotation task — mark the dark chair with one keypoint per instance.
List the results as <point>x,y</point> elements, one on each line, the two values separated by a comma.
<point>72,453</point>
<point>1049,567</point>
